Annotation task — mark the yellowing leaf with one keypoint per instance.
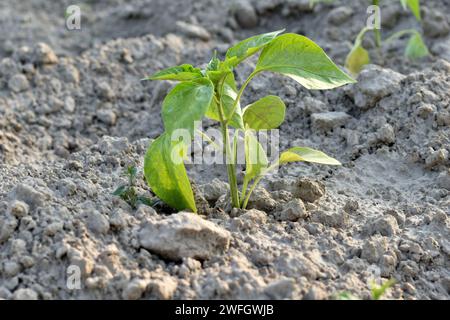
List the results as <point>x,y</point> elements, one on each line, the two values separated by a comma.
<point>357,59</point>
<point>306,155</point>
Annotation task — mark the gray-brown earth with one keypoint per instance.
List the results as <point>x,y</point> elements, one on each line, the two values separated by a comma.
<point>74,114</point>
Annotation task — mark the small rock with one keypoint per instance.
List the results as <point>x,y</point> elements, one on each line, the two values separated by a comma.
<point>374,249</point>
<point>292,211</point>
<point>281,289</point>
<point>351,206</point>
<point>18,208</point>
<point>374,83</point>
<point>386,226</point>
<point>315,293</point>
<point>309,190</point>
<point>435,23</point>
<point>97,222</point>
<point>134,289</point>
<point>69,105</point>
<point>18,83</point>
<point>261,200</point>
<point>436,158</point>
<point>331,219</point>
<point>7,227</point>
<point>43,54</point>
<point>386,134</point>
<point>245,15</point>
<point>25,294</point>
<point>164,288</point>
<point>313,105</point>
<point>254,216</point>
<point>340,15</point>
<point>184,235</point>
<point>107,116</point>
<point>327,121</point>
<point>444,180</point>
<point>27,194</point>
<point>193,31</point>
<point>214,190</point>
<point>104,91</point>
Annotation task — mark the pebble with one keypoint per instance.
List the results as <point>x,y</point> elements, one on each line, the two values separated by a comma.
<point>18,83</point>
<point>193,30</point>
<point>245,14</point>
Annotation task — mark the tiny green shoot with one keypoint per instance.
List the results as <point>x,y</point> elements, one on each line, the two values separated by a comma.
<point>127,192</point>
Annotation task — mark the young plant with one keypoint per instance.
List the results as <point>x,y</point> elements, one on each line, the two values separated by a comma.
<point>128,192</point>
<point>213,93</point>
<point>415,49</point>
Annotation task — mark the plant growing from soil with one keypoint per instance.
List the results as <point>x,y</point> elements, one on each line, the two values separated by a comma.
<point>358,56</point>
<point>127,192</point>
<point>213,93</point>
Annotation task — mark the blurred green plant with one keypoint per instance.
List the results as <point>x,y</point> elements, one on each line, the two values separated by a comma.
<point>359,56</point>
<point>376,291</point>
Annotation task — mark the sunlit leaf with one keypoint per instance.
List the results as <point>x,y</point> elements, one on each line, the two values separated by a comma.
<point>184,72</point>
<point>304,61</point>
<point>168,178</point>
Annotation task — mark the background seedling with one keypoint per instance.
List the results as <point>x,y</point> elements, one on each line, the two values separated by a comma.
<point>213,93</point>
<point>128,192</point>
<point>359,56</point>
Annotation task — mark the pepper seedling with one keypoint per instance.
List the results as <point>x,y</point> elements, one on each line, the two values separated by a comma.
<point>213,93</point>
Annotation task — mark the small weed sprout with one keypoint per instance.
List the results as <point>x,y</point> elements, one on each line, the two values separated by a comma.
<point>213,93</point>
<point>128,192</point>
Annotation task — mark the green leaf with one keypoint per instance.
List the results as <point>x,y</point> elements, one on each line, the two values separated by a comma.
<point>304,61</point>
<point>248,47</point>
<point>228,95</point>
<point>357,59</point>
<point>306,155</point>
<point>187,102</point>
<point>266,113</point>
<point>184,72</point>
<point>416,47</point>
<point>168,178</point>
<point>214,63</point>
<point>414,6</point>
<point>255,157</point>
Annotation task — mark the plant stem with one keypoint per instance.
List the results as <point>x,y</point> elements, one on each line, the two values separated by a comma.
<point>257,180</point>
<point>231,168</point>
<point>241,91</point>
<point>376,30</point>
